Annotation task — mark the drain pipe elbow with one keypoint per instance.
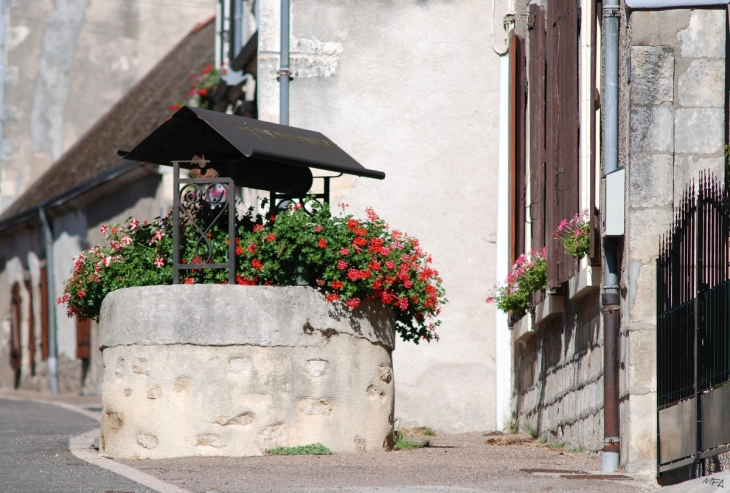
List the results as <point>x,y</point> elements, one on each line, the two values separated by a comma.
<point>52,347</point>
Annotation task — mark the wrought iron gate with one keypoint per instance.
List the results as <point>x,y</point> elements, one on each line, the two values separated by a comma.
<point>693,330</point>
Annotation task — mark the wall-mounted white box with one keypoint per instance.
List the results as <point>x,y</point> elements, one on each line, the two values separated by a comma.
<point>613,198</point>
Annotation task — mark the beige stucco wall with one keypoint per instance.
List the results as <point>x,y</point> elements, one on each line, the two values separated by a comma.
<point>211,370</point>
<point>411,88</point>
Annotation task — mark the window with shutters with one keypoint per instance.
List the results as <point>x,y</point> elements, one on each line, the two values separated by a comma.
<point>15,319</point>
<point>44,313</point>
<point>537,95</point>
<point>518,185</point>
<point>83,338</point>
<point>31,326</point>
<point>561,176</point>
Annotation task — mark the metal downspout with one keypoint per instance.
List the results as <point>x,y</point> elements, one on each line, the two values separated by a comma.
<point>611,294</point>
<point>284,71</point>
<point>52,350</point>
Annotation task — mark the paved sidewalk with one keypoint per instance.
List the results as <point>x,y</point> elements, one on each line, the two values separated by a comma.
<point>453,463</point>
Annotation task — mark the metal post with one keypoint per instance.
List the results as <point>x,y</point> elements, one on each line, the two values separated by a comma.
<point>696,470</point>
<point>611,329</point>
<point>176,222</point>
<point>231,203</point>
<point>52,348</point>
<point>284,71</point>
<point>611,295</point>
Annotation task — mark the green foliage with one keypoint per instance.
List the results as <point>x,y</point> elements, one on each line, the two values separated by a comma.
<point>531,431</point>
<point>577,450</point>
<point>513,427</point>
<point>575,235</point>
<point>429,432</point>
<point>347,259</point>
<point>543,439</point>
<point>528,274</point>
<point>311,449</point>
<point>558,446</point>
<point>403,443</point>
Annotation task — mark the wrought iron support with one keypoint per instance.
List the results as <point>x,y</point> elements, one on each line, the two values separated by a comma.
<point>180,209</point>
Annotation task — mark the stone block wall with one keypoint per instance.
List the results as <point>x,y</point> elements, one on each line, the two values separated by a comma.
<point>211,370</point>
<point>558,381</point>
<point>675,89</point>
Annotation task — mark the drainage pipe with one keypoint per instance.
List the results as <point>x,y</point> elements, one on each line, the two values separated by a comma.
<point>52,349</point>
<point>611,295</point>
<point>284,71</point>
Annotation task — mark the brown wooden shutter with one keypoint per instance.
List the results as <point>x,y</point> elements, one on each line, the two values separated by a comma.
<point>15,347</point>
<point>537,89</point>
<point>44,313</point>
<point>563,132</point>
<point>83,338</point>
<point>31,327</point>
<point>517,145</point>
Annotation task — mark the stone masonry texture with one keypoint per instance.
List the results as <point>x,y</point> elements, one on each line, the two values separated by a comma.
<point>677,127</point>
<point>558,382</point>
<point>242,370</point>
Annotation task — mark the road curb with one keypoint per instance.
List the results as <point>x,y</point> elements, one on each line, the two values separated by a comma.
<point>82,446</point>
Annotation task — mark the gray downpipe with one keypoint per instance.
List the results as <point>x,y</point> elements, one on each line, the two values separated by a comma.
<point>611,295</point>
<point>236,24</point>
<point>52,350</point>
<point>284,71</point>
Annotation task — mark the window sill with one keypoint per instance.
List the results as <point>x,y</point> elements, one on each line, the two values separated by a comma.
<point>552,306</point>
<point>523,329</point>
<point>587,280</point>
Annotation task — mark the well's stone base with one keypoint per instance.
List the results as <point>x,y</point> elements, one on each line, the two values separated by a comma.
<point>175,400</point>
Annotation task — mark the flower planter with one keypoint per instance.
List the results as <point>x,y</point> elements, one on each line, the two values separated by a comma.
<point>219,370</point>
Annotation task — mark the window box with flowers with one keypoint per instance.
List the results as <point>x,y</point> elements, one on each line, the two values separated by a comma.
<point>528,274</point>
<point>575,235</point>
<point>268,340</point>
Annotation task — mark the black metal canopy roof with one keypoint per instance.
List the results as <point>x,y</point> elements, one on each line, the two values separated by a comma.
<point>221,137</point>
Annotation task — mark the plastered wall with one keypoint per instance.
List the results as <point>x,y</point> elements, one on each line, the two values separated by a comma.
<point>411,88</point>
<point>67,63</point>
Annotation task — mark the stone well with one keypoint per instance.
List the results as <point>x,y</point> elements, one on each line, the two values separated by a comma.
<point>219,370</point>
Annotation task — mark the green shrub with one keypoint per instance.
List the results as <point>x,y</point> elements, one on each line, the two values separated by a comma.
<point>346,259</point>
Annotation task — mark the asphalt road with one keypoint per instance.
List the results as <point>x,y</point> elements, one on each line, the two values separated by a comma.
<point>34,455</point>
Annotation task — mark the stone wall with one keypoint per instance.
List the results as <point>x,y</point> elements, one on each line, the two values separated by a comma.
<point>676,121</point>
<point>558,382</point>
<point>209,370</point>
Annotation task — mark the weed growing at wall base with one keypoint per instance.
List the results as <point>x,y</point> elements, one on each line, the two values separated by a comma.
<point>311,449</point>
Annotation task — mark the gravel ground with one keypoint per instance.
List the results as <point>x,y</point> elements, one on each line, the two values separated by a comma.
<point>473,462</point>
